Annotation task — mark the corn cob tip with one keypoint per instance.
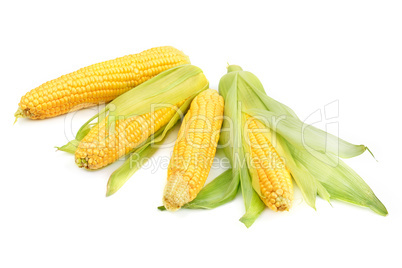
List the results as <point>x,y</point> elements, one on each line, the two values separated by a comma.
<point>279,200</point>
<point>82,162</point>
<point>18,114</point>
<point>176,193</point>
<point>281,204</point>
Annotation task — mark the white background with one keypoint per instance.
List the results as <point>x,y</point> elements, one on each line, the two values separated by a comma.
<point>306,53</point>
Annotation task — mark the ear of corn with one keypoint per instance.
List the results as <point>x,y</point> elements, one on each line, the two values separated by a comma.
<point>98,83</point>
<point>101,146</point>
<point>194,150</point>
<point>128,122</point>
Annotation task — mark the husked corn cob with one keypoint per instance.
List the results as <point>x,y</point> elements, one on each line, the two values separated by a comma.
<point>101,147</point>
<point>275,182</point>
<point>98,83</point>
<point>194,150</point>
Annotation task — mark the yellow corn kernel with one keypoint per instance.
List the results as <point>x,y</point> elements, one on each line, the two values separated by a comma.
<point>274,180</point>
<point>101,147</point>
<point>98,83</point>
<point>194,150</point>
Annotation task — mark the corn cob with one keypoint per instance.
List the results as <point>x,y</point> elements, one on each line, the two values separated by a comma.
<point>274,181</point>
<point>98,83</point>
<point>101,147</point>
<point>194,150</point>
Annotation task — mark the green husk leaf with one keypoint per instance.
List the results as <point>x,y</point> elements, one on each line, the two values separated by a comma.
<point>251,87</point>
<point>304,136</point>
<point>169,87</point>
<point>121,175</point>
<point>87,126</point>
<point>70,147</point>
<point>254,210</point>
<point>172,85</point>
<point>232,143</point>
<point>308,185</point>
<point>341,181</point>
<point>216,193</point>
<point>283,120</point>
<point>253,203</point>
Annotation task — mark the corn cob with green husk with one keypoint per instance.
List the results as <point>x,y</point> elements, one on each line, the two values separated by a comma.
<point>274,149</point>
<point>97,83</point>
<point>102,146</point>
<point>134,120</point>
<point>194,150</point>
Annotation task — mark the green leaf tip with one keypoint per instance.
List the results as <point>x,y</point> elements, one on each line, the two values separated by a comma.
<point>121,175</point>
<point>70,147</point>
<point>109,192</point>
<point>378,207</point>
<point>161,208</point>
<point>253,211</point>
<point>234,68</point>
<point>371,153</point>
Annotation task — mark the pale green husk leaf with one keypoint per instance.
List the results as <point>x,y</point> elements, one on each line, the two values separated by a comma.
<point>173,86</point>
<point>341,182</point>
<point>304,136</point>
<point>218,192</point>
<point>120,176</point>
<point>232,141</point>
